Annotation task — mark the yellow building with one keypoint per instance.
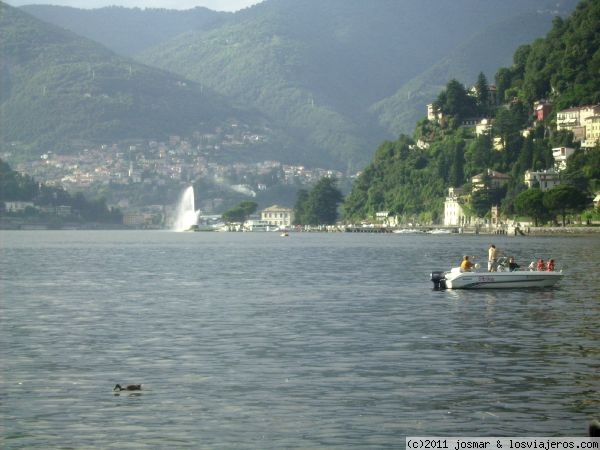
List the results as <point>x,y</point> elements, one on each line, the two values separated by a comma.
<point>592,131</point>
<point>490,179</point>
<point>278,215</point>
<point>577,120</point>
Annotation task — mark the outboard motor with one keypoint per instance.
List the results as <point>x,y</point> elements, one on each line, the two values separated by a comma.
<point>439,279</point>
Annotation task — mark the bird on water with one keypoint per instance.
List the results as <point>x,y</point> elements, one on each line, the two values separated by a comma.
<point>129,387</point>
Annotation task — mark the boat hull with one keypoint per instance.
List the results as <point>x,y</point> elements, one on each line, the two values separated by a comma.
<point>501,280</point>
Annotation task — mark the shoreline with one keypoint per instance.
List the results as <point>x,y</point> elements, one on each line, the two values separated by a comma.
<point>563,231</point>
<point>531,231</point>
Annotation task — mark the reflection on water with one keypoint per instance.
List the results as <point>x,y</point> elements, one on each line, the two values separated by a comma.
<point>315,341</point>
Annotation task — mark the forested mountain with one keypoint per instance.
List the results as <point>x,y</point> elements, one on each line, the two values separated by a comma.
<point>412,181</point>
<point>317,67</point>
<point>58,87</point>
<point>320,71</point>
<point>128,31</point>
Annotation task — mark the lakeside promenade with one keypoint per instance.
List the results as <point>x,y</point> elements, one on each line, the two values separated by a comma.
<point>24,225</point>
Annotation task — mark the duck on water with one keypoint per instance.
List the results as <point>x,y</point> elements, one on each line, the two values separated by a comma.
<point>128,387</point>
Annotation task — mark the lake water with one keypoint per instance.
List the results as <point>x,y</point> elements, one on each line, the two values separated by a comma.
<point>256,341</point>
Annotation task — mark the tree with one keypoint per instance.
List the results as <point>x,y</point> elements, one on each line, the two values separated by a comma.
<point>483,94</point>
<point>503,82</point>
<point>320,206</point>
<point>14,185</point>
<point>300,207</point>
<point>481,202</point>
<point>457,166</point>
<point>564,199</point>
<point>478,155</point>
<point>455,101</point>
<point>530,203</point>
<point>240,212</point>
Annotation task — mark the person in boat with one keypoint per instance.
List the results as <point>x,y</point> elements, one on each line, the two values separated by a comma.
<point>541,265</point>
<point>512,265</point>
<point>466,265</point>
<point>492,258</point>
<point>531,266</point>
<point>551,265</point>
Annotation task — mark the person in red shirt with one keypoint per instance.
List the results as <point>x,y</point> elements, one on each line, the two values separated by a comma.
<point>541,265</point>
<point>551,265</point>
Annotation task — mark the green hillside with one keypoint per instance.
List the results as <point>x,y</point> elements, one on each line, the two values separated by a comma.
<point>59,88</point>
<point>315,68</point>
<point>562,67</point>
<point>484,52</point>
<point>319,71</point>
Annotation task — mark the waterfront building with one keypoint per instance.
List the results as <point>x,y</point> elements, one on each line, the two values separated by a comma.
<point>278,216</point>
<point>454,215</point>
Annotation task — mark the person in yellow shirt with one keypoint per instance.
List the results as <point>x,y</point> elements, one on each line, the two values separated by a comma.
<point>466,265</point>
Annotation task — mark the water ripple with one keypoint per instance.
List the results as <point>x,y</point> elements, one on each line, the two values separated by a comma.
<point>316,341</point>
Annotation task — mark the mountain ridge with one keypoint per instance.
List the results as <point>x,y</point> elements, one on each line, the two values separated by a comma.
<point>58,87</point>
<point>317,68</point>
<point>114,26</point>
<point>322,70</point>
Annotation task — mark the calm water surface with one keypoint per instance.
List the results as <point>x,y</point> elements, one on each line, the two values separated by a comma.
<point>250,340</point>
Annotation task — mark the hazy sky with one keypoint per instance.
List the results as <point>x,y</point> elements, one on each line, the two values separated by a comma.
<point>217,5</point>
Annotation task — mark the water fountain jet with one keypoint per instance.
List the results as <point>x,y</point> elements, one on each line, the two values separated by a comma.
<point>186,215</point>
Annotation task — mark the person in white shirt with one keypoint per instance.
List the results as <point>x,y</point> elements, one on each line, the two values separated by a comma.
<point>492,258</point>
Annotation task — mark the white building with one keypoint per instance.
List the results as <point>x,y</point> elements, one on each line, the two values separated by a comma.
<point>560,155</point>
<point>545,179</point>
<point>483,127</point>
<point>454,214</point>
<point>278,216</point>
<point>17,206</point>
<point>433,114</point>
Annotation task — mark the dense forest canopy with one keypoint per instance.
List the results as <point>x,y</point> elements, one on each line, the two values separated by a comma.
<point>410,177</point>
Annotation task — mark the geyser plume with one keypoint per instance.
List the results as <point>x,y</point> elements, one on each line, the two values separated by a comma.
<point>186,215</point>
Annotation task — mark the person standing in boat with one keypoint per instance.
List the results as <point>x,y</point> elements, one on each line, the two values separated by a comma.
<point>492,258</point>
<point>466,265</point>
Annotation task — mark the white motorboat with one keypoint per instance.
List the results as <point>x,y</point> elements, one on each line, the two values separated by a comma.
<point>503,278</point>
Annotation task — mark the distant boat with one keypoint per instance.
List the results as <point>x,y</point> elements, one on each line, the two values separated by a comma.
<point>439,231</point>
<point>407,231</point>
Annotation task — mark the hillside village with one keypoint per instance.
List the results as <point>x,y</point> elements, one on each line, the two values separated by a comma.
<point>154,165</point>
<point>583,122</point>
<point>180,160</point>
